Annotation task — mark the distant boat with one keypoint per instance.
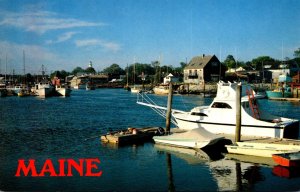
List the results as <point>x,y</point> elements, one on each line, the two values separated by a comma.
<point>80,86</point>
<point>43,89</point>
<point>23,92</point>
<point>195,138</point>
<point>161,89</point>
<point>282,90</point>
<point>63,90</point>
<point>134,89</point>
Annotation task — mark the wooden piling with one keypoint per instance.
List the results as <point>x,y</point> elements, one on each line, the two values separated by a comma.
<point>238,114</point>
<point>169,108</point>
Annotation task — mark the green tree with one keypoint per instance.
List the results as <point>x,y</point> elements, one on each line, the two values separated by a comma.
<point>114,70</point>
<point>261,61</point>
<point>230,62</point>
<point>77,70</point>
<point>297,53</point>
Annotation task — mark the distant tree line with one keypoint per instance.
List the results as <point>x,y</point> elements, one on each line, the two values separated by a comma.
<point>154,72</point>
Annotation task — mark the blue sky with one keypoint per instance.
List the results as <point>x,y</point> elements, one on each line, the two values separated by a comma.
<point>64,34</point>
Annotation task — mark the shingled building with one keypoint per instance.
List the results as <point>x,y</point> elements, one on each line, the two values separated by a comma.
<point>203,69</point>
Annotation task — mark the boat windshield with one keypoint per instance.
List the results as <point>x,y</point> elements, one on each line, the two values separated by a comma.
<point>198,114</point>
<point>221,105</point>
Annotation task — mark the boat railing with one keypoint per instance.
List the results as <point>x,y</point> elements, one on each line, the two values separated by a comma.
<point>145,100</point>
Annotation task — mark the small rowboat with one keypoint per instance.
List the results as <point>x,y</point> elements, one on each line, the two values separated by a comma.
<point>287,159</point>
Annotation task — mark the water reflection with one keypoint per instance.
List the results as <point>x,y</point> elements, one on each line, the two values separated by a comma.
<point>171,186</point>
<point>286,172</point>
<point>230,174</point>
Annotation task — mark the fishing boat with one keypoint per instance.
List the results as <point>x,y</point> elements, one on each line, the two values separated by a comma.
<point>43,89</point>
<point>23,93</point>
<point>135,89</point>
<point>161,89</point>
<point>220,116</point>
<point>282,89</point>
<point>196,138</point>
<point>62,90</point>
<point>287,159</point>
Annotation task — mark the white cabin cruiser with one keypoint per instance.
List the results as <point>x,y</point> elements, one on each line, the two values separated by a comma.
<point>220,116</point>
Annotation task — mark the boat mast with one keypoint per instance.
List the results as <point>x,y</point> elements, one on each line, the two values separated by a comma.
<point>127,75</point>
<point>23,62</point>
<point>24,67</point>
<point>5,67</point>
<point>133,71</point>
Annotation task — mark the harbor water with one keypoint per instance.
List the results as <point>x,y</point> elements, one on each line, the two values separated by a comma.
<point>70,128</point>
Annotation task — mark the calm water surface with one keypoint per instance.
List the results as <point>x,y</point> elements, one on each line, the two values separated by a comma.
<point>55,128</point>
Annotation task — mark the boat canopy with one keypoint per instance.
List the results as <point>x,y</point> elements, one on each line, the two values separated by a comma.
<point>284,78</point>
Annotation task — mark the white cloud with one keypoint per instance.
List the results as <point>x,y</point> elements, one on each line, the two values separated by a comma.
<point>43,21</point>
<point>62,38</point>
<point>98,42</point>
<point>35,56</point>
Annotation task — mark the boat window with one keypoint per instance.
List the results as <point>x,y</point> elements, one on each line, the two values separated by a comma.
<point>198,114</point>
<point>245,104</point>
<point>221,105</point>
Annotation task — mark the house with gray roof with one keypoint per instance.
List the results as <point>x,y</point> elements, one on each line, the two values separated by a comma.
<point>203,69</point>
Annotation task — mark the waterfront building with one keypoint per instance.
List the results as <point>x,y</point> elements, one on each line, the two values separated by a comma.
<point>170,78</point>
<point>203,69</point>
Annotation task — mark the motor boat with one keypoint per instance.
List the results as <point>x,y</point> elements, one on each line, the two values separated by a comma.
<point>220,116</point>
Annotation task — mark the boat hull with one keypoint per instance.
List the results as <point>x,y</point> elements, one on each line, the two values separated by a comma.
<point>161,90</point>
<point>278,94</point>
<point>226,125</point>
<point>63,92</point>
<point>44,92</point>
<point>261,149</point>
<point>197,138</point>
<point>287,159</point>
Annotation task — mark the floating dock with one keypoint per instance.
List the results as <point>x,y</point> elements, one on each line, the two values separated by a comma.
<point>132,135</point>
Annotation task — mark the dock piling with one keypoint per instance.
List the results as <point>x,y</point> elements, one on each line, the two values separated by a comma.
<point>169,108</point>
<point>238,114</point>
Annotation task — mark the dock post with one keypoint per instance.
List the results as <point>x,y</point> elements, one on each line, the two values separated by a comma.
<point>169,109</point>
<point>238,114</point>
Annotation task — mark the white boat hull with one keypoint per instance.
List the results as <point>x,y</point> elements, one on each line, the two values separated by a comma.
<point>197,138</point>
<point>135,90</point>
<point>261,149</point>
<point>43,92</point>
<point>63,91</point>
<point>161,90</point>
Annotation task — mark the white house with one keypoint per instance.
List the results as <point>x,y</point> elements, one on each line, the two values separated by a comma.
<point>170,78</point>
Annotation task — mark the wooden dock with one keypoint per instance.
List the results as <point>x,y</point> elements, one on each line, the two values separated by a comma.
<point>131,135</point>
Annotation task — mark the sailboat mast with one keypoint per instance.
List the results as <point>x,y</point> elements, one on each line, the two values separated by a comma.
<point>23,62</point>
<point>127,75</point>
<point>5,67</point>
